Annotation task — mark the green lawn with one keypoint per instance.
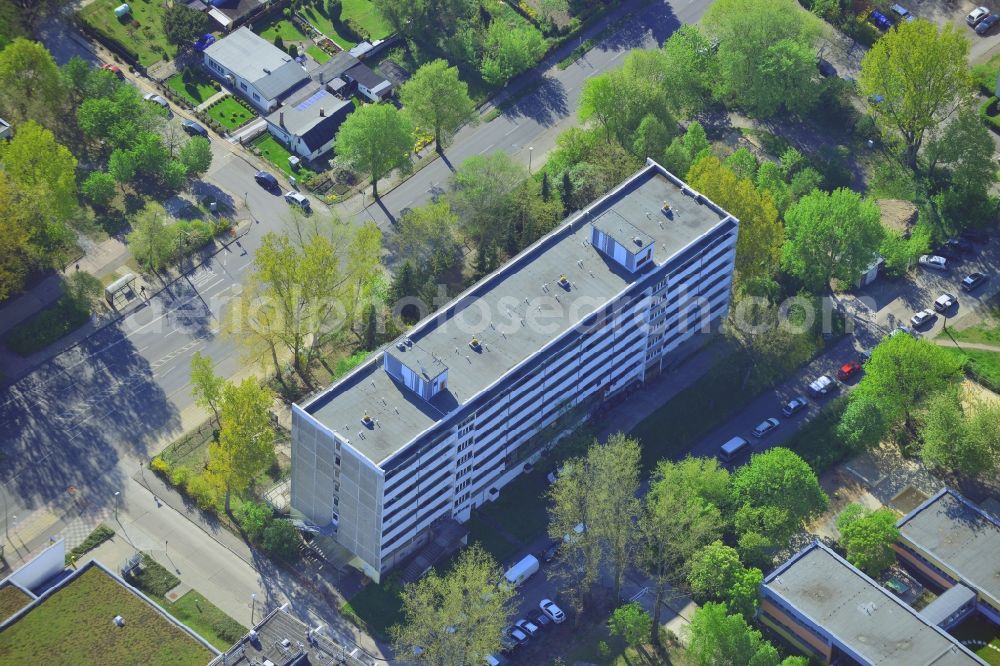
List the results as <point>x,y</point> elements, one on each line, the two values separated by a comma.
<point>74,626</point>
<point>230,113</point>
<point>980,630</point>
<point>362,12</point>
<point>377,606</point>
<point>318,54</point>
<point>981,365</point>
<point>192,609</point>
<point>521,507</point>
<point>278,155</point>
<point>142,34</point>
<point>817,442</point>
<point>986,333</point>
<point>11,600</point>
<point>281,27</point>
<point>192,85</point>
<point>491,539</point>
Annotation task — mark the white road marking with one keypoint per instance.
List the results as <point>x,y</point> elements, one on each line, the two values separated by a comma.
<point>486,148</point>
<point>512,130</point>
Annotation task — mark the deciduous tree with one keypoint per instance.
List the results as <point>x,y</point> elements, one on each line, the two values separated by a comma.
<point>690,70</point>
<point>481,194</point>
<point>960,433</point>
<point>437,100</point>
<point>919,73</point>
<point>685,150</point>
<point>150,241</point>
<point>508,51</point>
<point>867,536</point>
<point>681,514</point>
<point>632,623</point>
<point>458,617</point>
<point>719,638</point>
<point>428,233</point>
<point>245,447</point>
<point>774,495</point>
<point>206,386</point>
<point>831,235</point>
<point>718,574</point>
<point>765,55</point>
<point>182,26</point>
<point>376,139</point>
<point>15,234</point>
<point>758,248</point>
<point>196,156</point>
<point>30,85</point>
<point>99,187</point>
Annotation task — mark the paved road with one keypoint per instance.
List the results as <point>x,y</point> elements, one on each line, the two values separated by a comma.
<point>536,120</point>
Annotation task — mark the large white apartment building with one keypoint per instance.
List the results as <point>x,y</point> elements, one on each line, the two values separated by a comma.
<point>441,420</point>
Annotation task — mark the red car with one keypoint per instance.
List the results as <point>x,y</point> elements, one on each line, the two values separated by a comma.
<point>848,370</point>
<point>114,69</point>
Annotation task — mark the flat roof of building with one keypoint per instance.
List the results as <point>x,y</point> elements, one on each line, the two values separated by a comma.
<point>823,587</point>
<point>959,534</point>
<point>284,640</point>
<point>272,71</point>
<point>514,313</point>
<point>73,623</point>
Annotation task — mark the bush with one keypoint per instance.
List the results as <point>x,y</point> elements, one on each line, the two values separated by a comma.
<point>990,113</point>
<point>352,30</point>
<point>281,539</point>
<point>160,466</point>
<point>179,476</point>
<point>100,534</point>
<point>985,76</point>
<point>204,490</point>
<point>47,326</point>
<point>253,518</point>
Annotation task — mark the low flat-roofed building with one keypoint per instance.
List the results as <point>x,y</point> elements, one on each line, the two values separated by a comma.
<point>281,639</point>
<point>88,616</point>
<point>440,421</point>
<point>5,130</point>
<point>950,540</point>
<point>832,611</point>
<point>255,68</point>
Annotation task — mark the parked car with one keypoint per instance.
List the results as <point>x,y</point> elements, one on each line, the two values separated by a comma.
<point>973,281</point>
<point>881,21</point>
<point>848,370</point>
<point>923,317</point>
<point>193,128</point>
<point>520,638</point>
<point>554,612</point>
<point>959,245</point>
<point>266,180</point>
<point>297,199</point>
<point>822,386</point>
<point>543,620</point>
<point>527,627</point>
<point>986,26</point>
<point>865,354</point>
<point>902,329</point>
<point>976,15</point>
<point>552,552</point>
<point>826,68</point>
<point>902,12</point>
<point>765,426</point>
<point>114,69</point>
<point>933,261</point>
<point>794,406</point>
<point>156,99</point>
<point>944,302</point>
<point>975,236</point>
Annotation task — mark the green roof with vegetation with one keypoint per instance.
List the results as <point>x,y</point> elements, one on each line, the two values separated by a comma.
<point>75,625</point>
<point>12,599</point>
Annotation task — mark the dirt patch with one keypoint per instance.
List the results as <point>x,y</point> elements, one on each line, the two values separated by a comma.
<point>898,214</point>
<point>908,499</point>
<point>843,488</point>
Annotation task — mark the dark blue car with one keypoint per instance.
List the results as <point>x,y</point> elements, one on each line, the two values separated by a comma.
<point>881,21</point>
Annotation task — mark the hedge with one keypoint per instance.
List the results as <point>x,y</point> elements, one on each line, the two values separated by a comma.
<point>990,113</point>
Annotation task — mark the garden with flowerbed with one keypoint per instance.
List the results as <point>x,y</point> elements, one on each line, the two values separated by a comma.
<point>230,112</point>
<point>193,86</point>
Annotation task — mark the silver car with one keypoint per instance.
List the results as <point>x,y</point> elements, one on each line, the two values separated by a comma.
<point>923,317</point>
<point>944,302</point>
<point>933,261</point>
<point>794,406</point>
<point>976,15</point>
<point>765,426</point>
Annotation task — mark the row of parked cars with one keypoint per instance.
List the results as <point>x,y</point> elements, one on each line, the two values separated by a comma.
<point>525,629</point>
<point>982,21</point>
<point>949,253</point>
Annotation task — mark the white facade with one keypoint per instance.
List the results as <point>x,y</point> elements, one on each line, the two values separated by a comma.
<point>473,451</point>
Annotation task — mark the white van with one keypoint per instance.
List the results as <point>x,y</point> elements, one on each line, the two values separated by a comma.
<point>733,449</point>
<point>297,199</point>
<point>521,571</point>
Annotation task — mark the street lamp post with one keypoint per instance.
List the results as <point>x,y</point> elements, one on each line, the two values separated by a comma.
<point>530,151</point>
<point>117,496</point>
<point>253,602</point>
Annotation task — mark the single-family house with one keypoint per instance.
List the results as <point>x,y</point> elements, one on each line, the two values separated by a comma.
<point>308,122</point>
<point>6,132</point>
<point>255,68</point>
<point>344,75</point>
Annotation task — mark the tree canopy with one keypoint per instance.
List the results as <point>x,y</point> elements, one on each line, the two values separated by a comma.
<point>245,447</point>
<point>30,85</point>
<point>868,536</point>
<point>437,100</point>
<point>831,235</point>
<point>182,26</point>
<point>376,139</point>
<point>916,76</point>
<point>716,573</point>
<point>458,617</point>
<point>715,637</point>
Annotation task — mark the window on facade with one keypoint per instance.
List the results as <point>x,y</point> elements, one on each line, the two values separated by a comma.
<point>243,86</point>
<point>337,460</point>
<point>256,98</point>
